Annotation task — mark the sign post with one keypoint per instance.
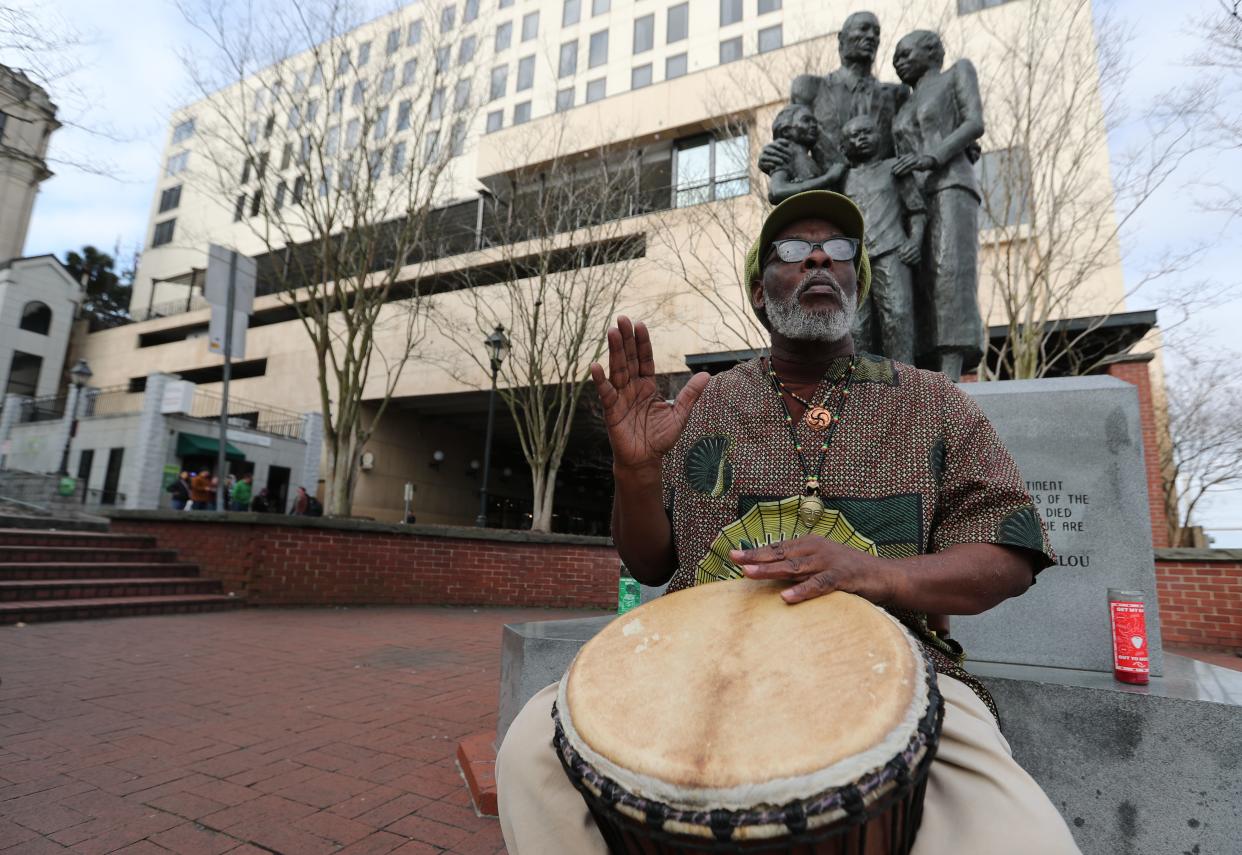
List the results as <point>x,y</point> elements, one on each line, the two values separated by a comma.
<point>230,290</point>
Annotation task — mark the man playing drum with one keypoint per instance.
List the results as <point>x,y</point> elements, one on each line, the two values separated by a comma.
<point>902,454</point>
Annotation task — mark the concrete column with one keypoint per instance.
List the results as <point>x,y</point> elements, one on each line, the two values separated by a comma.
<point>145,460</point>
<point>8,417</point>
<point>312,434</point>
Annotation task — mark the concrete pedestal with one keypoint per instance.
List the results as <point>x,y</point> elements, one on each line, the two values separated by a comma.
<point>1134,770</point>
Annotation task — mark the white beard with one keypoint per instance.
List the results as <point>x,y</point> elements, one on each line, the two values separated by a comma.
<point>794,322</point>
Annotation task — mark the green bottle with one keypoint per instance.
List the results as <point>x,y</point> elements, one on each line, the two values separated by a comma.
<point>628,591</point>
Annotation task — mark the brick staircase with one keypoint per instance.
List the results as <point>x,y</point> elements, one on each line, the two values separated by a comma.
<point>71,575</point>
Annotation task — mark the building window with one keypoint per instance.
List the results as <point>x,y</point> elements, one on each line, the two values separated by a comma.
<point>353,133</point>
<point>521,113</point>
<point>597,53</point>
<point>770,38</point>
<point>408,71</point>
<point>505,4</point>
<point>239,209</point>
<point>465,52</point>
<point>766,6</point>
<point>596,90</point>
<point>568,65</point>
<point>470,11</point>
<point>730,12</point>
<point>261,170</point>
<point>331,140</point>
<point>526,73</point>
<point>457,138</point>
<point>246,164</point>
<point>600,7</point>
<point>181,132</point>
<point>364,54</point>
<point>644,33</point>
<point>164,232</point>
<point>436,108</point>
<point>381,125</point>
<point>678,22</point>
<point>495,121</point>
<point>675,66</point>
<point>316,78</point>
<point>387,81</point>
<point>730,50</point>
<point>338,100</point>
<point>256,202</point>
<point>530,26</point>
<point>359,93</point>
<point>707,169</point>
<point>342,63</point>
<point>24,374</point>
<point>640,76</point>
<point>1005,183</point>
<point>403,115</point>
<point>397,164</point>
<point>431,150</point>
<point>448,18</point>
<point>299,190</point>
<point>461,95</point>
<point>564,99</point>
<point>312,110</point>
<point>965,7</point>
<point>443,55</point>
<point>504,36</point>
<point>36,317</point>
<point>4,120</point>
<point>177,163</point>
<point>278,201</point>
<point>499,82</point>
<point>286,156</point>
<point>571,12</point>
<point>170,198</point>
<point>393,41</point>
<point>414,34</point>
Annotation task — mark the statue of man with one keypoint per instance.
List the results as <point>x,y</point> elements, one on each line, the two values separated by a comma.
<point>849,91</point>
<point>934,131</point>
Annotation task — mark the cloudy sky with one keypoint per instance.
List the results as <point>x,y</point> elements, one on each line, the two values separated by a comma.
<point>129,79</point>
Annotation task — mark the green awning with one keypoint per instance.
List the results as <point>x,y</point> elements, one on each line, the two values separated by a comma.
<point>189,444</point>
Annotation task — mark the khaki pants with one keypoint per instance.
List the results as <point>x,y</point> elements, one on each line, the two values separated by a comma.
<point>979,800</point>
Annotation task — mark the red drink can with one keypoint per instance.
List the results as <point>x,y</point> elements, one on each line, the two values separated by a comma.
<point>1128,612</point>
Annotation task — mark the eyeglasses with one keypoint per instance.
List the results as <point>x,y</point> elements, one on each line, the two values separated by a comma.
<point>794,250</point>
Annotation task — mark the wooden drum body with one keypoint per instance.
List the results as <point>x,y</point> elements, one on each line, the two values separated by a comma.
<point>720,719</point>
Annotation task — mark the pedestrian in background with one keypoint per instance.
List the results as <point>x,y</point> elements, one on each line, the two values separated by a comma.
<point>202,493</point>
<point>240,500</point>
<point>180,491</point>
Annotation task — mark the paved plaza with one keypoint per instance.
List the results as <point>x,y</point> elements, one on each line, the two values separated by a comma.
<point>293,731</point>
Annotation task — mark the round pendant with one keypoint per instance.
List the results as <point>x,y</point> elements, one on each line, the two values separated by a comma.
<point>810,509</point>
<point>818,418</point>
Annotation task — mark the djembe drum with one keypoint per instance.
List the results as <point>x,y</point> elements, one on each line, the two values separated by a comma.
<point>721,719</point>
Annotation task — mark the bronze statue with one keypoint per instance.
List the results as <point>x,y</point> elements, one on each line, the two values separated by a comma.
<point>849,91</point>
<point>934,132</point>
<point>889,201</point>
<point>795,125</point>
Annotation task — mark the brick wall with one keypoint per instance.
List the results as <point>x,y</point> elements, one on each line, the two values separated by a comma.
<point>1200,597</point>
<point>294,561</point>
<point>1134,370</point>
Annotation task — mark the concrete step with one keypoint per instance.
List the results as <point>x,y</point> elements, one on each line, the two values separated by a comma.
<point>48,610</point>
<point>25,590</point>
<point>61,537</point>
<point>84,554</point>
<point>22,570</point>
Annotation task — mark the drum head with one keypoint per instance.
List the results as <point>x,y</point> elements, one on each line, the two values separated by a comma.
<point>723,695</point>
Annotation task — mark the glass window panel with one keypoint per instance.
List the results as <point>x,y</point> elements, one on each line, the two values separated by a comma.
<point>364,54</point>
<point>675,66</point>
<point>398,159</point>
<point>435,109</point>
<point>596,89</point>
<point>732,157</point>
<point>465,52</point>
<point>392,42</point>
<point>770,38</point>
<point>495,121</point>
<point>521,113</point>
<point>600,7</point>
<point>461,95</point>
<point>526,73</point>
<point>640,76</point>
<point>409,71</point>
<point>564,99</point>
<point>730,12</point>
<point>530,26</point>
<point>678,22</point>
<point>381,124</point>
<point>470,12</point>
<point>457,138</point>
<point>730,50</point>
<point>448,18</point>
<point>387,80</point>
<point>568,64</point>
<point>414,34</point>
<point>504,36</point>
<point>644,33</point>
<point>352,132</point>
<point>443,54</point>
<point>571,12</point>
<point>403,115</point>
<point>766,6</point>
<point>597,54</point>
<point>499,82</point>
<point>693,165</point>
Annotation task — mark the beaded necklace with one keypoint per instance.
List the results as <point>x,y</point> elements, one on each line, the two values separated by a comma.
<point>811,506</point>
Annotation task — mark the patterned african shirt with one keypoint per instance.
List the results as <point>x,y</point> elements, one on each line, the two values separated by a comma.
<point>914,467</point>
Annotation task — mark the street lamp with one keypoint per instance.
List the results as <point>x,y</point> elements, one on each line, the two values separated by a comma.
<point>79,374</point>
<point>497,349</point>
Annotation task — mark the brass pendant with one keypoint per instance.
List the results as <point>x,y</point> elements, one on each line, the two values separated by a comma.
<point>818,418</point>
<point>810,509</point>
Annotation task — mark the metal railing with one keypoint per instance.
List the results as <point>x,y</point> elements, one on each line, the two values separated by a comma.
<point>172,307</point>
<point>109,401</point>
<point>49,408</point>
<point>247,414</point>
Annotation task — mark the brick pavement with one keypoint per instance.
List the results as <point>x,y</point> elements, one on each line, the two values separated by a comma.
<point>292,731</point>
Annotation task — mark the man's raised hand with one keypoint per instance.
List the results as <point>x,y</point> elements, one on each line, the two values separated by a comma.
<point>642,426</point>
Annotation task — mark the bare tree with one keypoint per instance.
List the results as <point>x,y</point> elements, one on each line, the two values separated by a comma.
<point>1202,453</point>
<point>565,253</point>
<point>1222,54</point>
<point>1052,222</point>
<point>334,146</point>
